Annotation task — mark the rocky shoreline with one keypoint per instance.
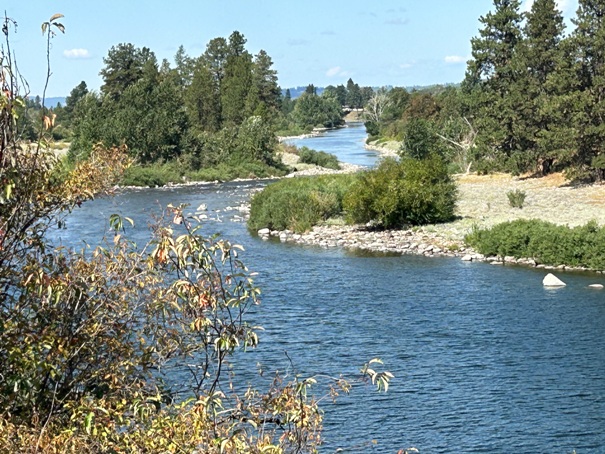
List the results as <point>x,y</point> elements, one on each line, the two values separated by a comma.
<point>482,204</point>
<point>416,241</point>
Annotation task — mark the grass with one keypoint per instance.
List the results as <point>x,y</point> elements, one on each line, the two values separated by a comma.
<point>163,174</point>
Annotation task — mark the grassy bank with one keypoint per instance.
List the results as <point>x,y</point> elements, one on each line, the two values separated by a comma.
<point>545,242</point>
<point>172,173</point>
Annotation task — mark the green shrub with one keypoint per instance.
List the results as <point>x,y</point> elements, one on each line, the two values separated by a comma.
<point>152,175</point>
<point>398,193</point>
<point>318,158</point>
<point>547,243</point>
<point>299,203</point>
<point>516,198</point>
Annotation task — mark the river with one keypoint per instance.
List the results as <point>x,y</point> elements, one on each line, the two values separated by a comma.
<point>347,143</point>
<point>486,360</point>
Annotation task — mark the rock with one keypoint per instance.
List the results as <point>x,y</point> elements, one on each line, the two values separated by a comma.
<point>597,286</point>
<point>510,259</point>
<point>262,232</point>
<point>467,258</point>
<point>552,281</point>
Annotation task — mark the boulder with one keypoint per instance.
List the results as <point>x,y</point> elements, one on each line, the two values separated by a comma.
<point>263,232</point>
<point>597,286</point>
<point>467,258</point>
<point>552,281</point>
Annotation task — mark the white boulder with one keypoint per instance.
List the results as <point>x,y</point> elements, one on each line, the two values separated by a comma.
<point>550,280</point>
<point>597,286</point>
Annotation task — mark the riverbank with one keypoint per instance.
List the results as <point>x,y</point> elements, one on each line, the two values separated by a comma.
<point>482,203</point>
<point>385,149</point>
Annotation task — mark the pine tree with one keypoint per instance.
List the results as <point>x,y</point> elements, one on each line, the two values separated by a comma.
<point>124,66</point>
<point>202,101</point>
<point>588,47</point>
<point>264,94</point>
<point>237,81</point>
<point>491,79</point>
<point>184,67</point>
<point>539,58</point>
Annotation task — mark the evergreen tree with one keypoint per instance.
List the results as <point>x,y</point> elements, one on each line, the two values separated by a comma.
<point>540,55</point>
<point>237,81</point>
<point>216,57</point>
<point>491,80</point>
<point>124,66</point>
<point>354,100</point>
<point>184,66</point>
<point>287,104</point>
<point>77,93</point>
<point>202,101</point>
<point>341,94</point>
<point>588,46</point>
<point>264,95</point>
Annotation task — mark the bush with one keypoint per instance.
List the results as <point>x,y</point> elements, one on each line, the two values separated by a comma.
<point>318,158</point>
<point>547,243</point>
<point>94,345</point>
<point>516,198</point>
<point>399,193</point>
<point>152,175</point>
<point>299,203</point>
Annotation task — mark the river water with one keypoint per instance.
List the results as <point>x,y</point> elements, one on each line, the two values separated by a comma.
<point>347,143</point>
<point>486,360</point>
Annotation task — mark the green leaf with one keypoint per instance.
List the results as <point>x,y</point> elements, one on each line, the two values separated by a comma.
<point>88,422</point>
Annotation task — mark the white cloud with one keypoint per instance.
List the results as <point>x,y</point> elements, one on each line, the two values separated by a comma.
<point>333,71</point>
<point>406,65</point>
<point>455,59</point>
<point>337,71</point>
<point>76,53</point>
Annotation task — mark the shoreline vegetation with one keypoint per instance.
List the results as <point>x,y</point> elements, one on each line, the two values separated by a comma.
<point>482,204</point>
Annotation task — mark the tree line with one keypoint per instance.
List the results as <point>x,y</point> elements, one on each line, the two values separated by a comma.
<point>531,99</point>
<point>221,109</point>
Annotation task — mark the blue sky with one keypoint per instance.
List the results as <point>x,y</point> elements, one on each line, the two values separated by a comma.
<point>386,42</point>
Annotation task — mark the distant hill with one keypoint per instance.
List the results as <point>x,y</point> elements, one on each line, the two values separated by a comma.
<point>52,102</point>
<point>295,92</point>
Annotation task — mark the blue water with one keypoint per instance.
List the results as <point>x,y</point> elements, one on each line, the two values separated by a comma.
<point>346,143</point>
<point>486,360</point>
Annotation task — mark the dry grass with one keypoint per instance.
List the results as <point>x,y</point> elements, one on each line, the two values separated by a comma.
<point>483,202</point>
